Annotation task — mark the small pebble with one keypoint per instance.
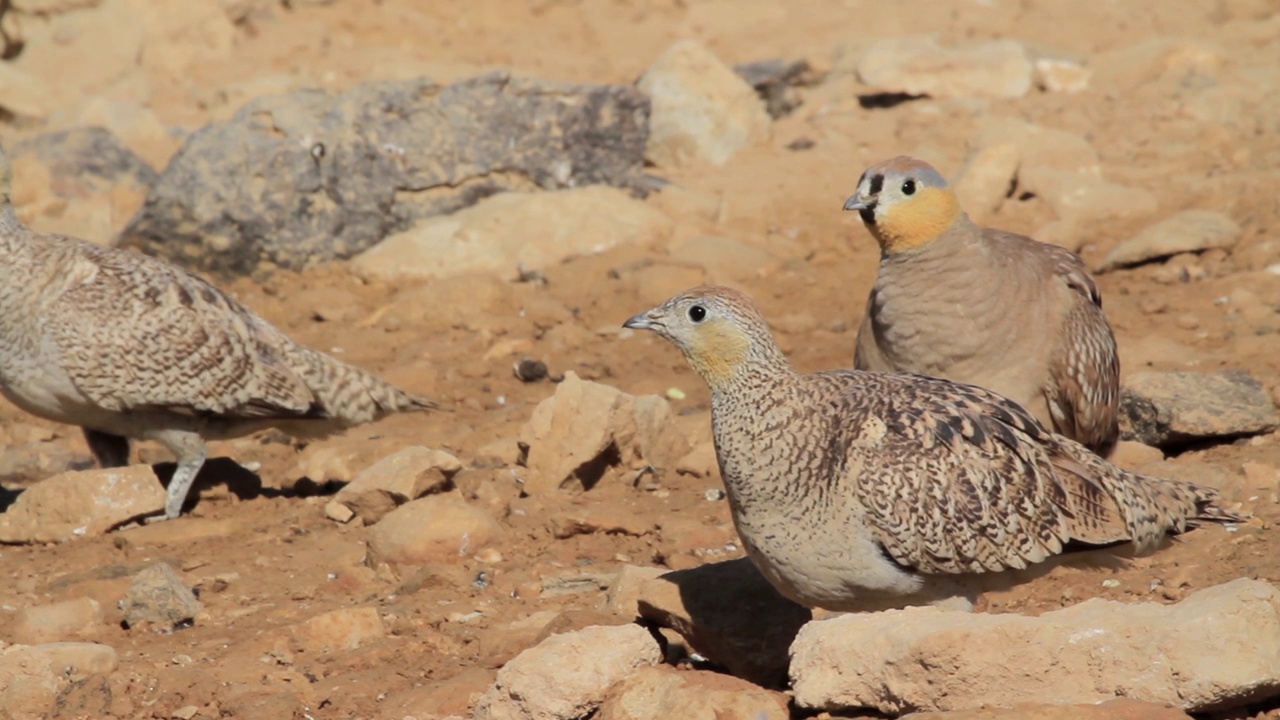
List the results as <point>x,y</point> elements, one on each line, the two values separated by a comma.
<point>530,370</point>
<point>675,394</point>
<point>1110,583</point>
<point>714,495</point>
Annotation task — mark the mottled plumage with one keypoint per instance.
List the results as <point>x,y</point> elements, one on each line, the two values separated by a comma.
<point>984,306</point>
<point>848,485</point>
<point>127,346</point>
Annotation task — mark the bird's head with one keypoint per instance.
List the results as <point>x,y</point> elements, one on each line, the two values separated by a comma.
<point>718,329</point>
<point>905,203</point>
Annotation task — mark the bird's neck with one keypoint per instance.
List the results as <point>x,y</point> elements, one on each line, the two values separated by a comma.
<point>746,421</point>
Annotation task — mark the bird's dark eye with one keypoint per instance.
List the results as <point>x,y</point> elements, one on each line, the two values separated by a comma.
<point>697,313</point>
<point>909,187</point>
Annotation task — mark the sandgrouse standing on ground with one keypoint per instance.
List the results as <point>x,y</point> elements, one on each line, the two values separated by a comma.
<point>849,486</point>
<point>984,306</point>
<point>127,346</point>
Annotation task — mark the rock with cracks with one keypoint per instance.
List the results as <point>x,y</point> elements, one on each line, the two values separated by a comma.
<point>1175,408</point>
<point>308,176</point>
<point>1217,649</point>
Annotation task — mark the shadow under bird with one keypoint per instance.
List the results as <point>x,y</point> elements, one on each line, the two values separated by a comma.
<point>983,306</point>
<point>127,346</point>
<point>853,488</point>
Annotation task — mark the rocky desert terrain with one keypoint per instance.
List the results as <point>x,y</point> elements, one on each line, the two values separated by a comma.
<point>469,198</point>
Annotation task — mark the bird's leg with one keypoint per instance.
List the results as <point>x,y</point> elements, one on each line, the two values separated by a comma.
<point>109,450</point>
<point>189,449</point>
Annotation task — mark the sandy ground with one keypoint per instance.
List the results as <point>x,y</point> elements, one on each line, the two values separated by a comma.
<point>264,564</point>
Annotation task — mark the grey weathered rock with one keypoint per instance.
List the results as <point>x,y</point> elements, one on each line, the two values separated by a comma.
<point>86,160</point>
<point>1217,649</point>
<point>730,614</point>
<point>81,504</point>
<point>567,676</point>
<point>919,65</point>
<point>159,595</point>
<point>1187,231</point>
<point>702,111</point>
<point>309,176</point>
<point>1170,409</point>
<point>664,693</point>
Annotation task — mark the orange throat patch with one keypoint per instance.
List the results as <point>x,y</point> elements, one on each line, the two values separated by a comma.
<point>717,351</point>
<point>917,221</point>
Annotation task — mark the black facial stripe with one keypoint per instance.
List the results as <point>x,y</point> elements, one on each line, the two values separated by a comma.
<point>868,213</point>
<point>877,182</point>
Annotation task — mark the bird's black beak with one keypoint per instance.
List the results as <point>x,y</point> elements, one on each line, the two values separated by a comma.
<point>856,203</point>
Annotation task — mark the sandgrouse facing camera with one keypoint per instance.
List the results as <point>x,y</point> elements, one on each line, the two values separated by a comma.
<point>984,306</point>
<point>848,487</point>
<point>127,346</point>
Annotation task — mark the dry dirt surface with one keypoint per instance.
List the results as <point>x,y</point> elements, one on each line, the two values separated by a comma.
<point>1179,105</point>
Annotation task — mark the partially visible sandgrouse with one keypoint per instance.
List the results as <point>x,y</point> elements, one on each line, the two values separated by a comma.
<point>983,306</point>
<point>127,346</point>
<point>849,486</point>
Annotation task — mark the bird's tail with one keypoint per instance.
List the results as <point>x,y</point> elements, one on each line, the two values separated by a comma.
<point>353,396</point>
<point>1149,507</point>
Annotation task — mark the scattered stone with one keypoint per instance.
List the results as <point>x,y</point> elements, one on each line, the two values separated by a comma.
<point>514,233</point>
<point>82,182</point>
<point>573,582</point>
<point>529,370</point>
<point>775,81</point>
<point>1064,76</point>
<point>78,618</point>
<point>395,480</point>
<point>338,173</point>
<point>1171,409</point>
<point>599,519</point>
<point>918,65</point>
<point>159,596</point>
<point>336,460</point>
<point>335,510</point>
<point>82,504</point>
<point>585,428</point>
<point>436,528</point>
<point>1117,709</point>
<point>345,629</point>
<point>623,596</point>
<point>702,111</point>
<point>34,677</point>
<point>730,614</point>
<point>987,179</point>
<point>660,693</point>
<point>567,676</point>
<point>1187,231</point>
<point>1218,649</point>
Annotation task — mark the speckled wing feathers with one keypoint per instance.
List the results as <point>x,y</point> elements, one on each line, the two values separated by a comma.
<point>178,344</point>
<point>966,481</point>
